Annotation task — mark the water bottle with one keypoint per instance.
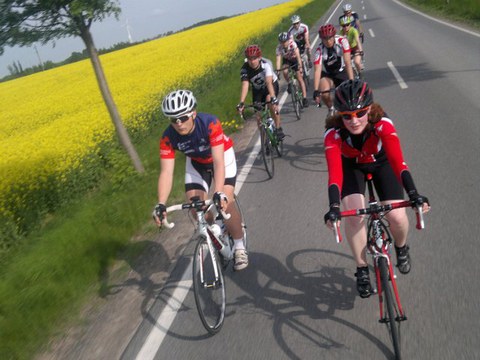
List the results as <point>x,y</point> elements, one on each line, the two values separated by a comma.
<point>271,124</point>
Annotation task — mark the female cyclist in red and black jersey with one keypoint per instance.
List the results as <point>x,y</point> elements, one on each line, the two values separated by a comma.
<point>210,156</point>
<point>361,139</point>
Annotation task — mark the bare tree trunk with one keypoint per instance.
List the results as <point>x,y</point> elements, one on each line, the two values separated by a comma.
<point>107,97</point>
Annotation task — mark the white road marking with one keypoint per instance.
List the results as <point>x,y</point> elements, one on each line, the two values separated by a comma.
<point>395,72</point>
<point>371,33</point>
<point>166,317</point>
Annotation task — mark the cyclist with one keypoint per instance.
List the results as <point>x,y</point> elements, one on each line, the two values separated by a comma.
<point>356,49</point>
<point>299,32</point>
<point>361,139</point>
<point>288,55</point>
<point>347,11</point>
<point>333,53</point>
<point>209,156</point>
<point>258,71</point>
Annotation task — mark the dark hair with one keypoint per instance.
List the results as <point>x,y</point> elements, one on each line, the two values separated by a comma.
<point>376,113</point>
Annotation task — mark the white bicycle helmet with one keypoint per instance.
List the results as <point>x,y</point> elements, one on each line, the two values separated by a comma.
<point>295,19</point>
<point>347,7</point>
<point>178,103</point>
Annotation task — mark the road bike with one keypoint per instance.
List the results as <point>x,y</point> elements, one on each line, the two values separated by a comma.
<point>306,70</point>
<point>268,136</point>
<point>358,74</point>
<point>295,92</point>
<point>213,253</point>
<point>379,245</point>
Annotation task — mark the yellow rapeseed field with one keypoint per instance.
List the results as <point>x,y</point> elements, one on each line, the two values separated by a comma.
<point>51,122</point>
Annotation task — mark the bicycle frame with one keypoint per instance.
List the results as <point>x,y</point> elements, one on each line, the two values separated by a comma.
<point>379,245</point>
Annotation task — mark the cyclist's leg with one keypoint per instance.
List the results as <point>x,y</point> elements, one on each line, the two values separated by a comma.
<point>198,179</point>
<point>353,198</point>
<point>326,83</point>
<point>301,82</point>
<point>390,190</point>
<point>234,225</point>
<point>275,115</point>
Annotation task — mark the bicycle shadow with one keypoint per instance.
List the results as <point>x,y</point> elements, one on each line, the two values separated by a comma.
<point>290,294</point>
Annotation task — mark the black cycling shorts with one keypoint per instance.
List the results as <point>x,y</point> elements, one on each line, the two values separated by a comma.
<point>260,95</point>
<point>337,78</point>
<point>386,183</point>
<point>291,63</point>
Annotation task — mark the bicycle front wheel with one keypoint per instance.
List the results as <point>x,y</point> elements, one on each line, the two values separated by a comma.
<point>267,152</point>
<point>208,286</point>
<point>389,313</point>
<point>295,101</point>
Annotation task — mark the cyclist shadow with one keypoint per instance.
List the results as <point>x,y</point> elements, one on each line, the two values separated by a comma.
<point>149,263</point>
<point>288,294</point>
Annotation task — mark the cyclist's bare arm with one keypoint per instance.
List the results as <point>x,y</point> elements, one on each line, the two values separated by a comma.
<point>165,180</point>
<point>243,93</point>
<point>218,167</point>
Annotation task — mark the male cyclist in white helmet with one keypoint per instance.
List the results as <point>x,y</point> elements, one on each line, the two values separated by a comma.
<point>209,156</point>
<point>347,11</point>
<point>300,33</point>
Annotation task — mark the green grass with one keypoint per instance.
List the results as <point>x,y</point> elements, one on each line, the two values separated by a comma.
<point>52,274</point>
<point>467,11</point>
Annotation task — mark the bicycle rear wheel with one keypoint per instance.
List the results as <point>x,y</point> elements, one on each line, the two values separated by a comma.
<point>267,152</point>
<point>209,289</point>
<point>389,314</point>
<point>295,101</point>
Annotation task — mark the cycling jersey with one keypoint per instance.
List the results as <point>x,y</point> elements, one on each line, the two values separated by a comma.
<point>379,146</point>
<point>351,36</point>
<point>332,58</point>
<point>257,76</point>
<point>197,145</point>
<point>355,18</point>
<point>299,35</point>
<point>288,53</point>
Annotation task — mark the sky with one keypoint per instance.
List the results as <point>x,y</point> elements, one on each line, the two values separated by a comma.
<point>145,18</point>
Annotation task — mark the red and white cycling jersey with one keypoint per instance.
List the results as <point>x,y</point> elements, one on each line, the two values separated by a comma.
<point>381,144</point>
<point>288,53</point>
<point>299,35</point>
<point>332,58</point>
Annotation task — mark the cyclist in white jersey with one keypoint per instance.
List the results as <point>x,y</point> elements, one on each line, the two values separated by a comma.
<point>288,55</point>
<point>300,33</point>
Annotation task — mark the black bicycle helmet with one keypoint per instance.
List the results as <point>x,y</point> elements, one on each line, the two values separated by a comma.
<point>352,95</point>
<point>283,36</point>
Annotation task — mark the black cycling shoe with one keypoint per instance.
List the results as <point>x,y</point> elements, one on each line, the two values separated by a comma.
<point>289,88</point>
<point>305,102</point>
<point>404,263</point>
<point>280,134</point>
<point>363,282</point>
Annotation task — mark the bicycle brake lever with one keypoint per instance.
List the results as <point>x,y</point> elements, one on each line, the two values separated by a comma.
<point>336,231</point>
<point>420,222</point>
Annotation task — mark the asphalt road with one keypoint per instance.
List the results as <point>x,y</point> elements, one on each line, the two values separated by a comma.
<point>297,299</point>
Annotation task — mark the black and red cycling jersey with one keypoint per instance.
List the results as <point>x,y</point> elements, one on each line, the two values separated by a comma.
<point>332,58</point>
<point>197,145</point>
<point>377,145</point>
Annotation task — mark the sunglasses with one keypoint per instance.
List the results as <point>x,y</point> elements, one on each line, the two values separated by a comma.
<point>358,114</point>
<point>346,25</point>
<point>181,119</point>
<point>252,58</point>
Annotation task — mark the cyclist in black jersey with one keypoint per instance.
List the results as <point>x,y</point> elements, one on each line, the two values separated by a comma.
<point>258,71</point>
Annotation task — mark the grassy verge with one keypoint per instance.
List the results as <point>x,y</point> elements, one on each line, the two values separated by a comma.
<point>58,268</point>
<point>465,11</point>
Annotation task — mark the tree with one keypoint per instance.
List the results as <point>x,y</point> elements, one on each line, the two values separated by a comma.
<point>25,22</point>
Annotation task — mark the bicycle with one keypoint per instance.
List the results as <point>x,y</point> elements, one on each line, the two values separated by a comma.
<point>358,74</point>
<point>295,92</point>
<point>213,252</point>
<point>306,70</point>
<point>379,245</point>
<point>268,136</point>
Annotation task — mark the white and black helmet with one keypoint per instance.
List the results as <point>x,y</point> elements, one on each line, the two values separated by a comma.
<point>178,103</point>
<point>295,19</point>
<point>347,7</point>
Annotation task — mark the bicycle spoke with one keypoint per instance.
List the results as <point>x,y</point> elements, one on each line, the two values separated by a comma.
<point>209,287</point>
<point>267,152</point>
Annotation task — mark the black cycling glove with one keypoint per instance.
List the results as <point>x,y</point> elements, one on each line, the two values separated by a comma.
<point>218,197</point>
<point>416,199</point>
<point>316,94</point>
<point>333,214</point>
<point>158,211</point>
